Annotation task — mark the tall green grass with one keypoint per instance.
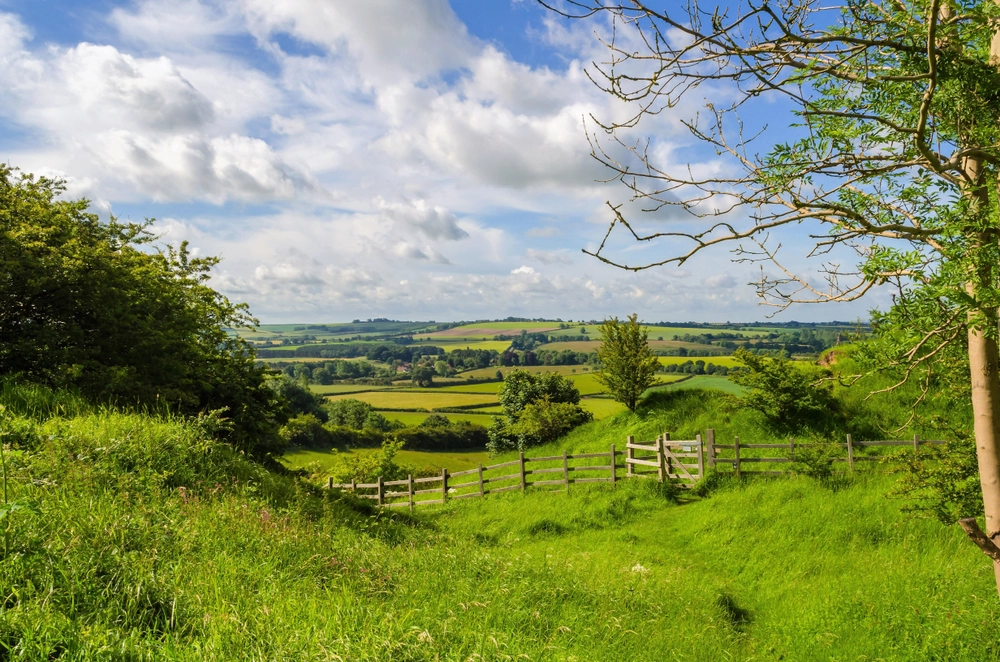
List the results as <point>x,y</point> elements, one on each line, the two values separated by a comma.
<point>149,540</point>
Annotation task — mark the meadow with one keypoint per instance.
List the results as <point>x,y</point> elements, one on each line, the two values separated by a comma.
<point>146,539</point>
<point>412,419</point>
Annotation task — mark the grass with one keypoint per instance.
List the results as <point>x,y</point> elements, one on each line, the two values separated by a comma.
<point>602,407</point>
<point>489,373</point>
<point>427,399</point>
<point>326,460</point>
<point>711,382</point>
<point>146,539</point>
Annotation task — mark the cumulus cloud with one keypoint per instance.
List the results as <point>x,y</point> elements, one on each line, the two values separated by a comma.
<point>432,221</point>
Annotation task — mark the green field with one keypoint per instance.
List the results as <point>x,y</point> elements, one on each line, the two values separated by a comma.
<point>412,419</point>
<point>602,407</point>
<point>726,361</point>
<point>713,382</point>
<point>426,399</point>
<point>451,460</point>
<point>332,389</point>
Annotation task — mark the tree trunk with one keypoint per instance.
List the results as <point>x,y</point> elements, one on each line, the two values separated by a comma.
<point>983,366</point>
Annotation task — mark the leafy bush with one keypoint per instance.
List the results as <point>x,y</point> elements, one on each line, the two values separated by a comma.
<point>459,435</point>
<point>548,404</point>
<point>816,459</point>
<point>298,398</point>
<point>358,415</point>
<point>305,430</point>
<point>435,421</point>
<point>787,395</point>
<point>365,468</point>
<point>544,421</point>
<point>344,437</point>
<point>521,388</point>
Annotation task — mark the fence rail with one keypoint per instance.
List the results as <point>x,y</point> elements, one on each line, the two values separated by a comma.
<point>681,461</point>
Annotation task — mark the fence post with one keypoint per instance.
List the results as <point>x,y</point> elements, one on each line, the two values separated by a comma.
<point>710,440</point>
<point>916,443</point>
<point>629,454</point>
<point>524,482</point>
<point>409,489</point>
<point>701,457</point>
<point>660,459</point>
<point>566,470</point>
<point>381,490</point>
<point>791,448</point>
<point>612,463</point>
<point>850,453</point>
<point>354,485</point>
<point>667,460</point>
<point>329,482</point>
<point>736,447</point>
<point>481,490</point>
<point>444,485</point>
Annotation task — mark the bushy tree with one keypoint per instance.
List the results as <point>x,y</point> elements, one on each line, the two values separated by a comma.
<point>628,366</point>
<point>786,394</point>
<point>422,376</point>
<point>97,306</point>
<point>549,400</point>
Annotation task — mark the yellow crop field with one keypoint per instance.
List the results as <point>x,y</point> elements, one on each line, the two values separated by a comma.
<point>332,389</point>
<point>426,399</point>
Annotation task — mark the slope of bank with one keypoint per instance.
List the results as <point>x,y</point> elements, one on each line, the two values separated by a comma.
<point>136,537</point>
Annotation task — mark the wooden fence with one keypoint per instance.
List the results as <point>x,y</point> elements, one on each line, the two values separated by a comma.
<point>681,461</point>
<point>736,454</point>
<point>518,474</point>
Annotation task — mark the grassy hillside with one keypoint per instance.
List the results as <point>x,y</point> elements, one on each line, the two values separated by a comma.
<point>140,537</point>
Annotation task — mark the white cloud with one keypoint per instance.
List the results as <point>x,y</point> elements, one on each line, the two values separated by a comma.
<point>432,221</point>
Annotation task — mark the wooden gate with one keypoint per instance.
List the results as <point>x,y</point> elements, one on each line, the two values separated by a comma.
<point>666,459</point>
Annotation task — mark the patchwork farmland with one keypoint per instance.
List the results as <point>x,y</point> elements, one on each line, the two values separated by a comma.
<point>464,388</point>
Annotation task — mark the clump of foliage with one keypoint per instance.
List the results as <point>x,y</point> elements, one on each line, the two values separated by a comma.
<point>357,415</point>
<point>544,421</point>
<point>422,376</point>
<point>788,396</point>
<point>537,409</point>
<point>367,467</point>
<point>86,304</point>
<point>628,366</point>
<point>298,399</point>
<point>435,421</point>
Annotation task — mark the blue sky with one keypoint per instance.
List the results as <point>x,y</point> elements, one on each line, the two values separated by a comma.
<point>387,158</point>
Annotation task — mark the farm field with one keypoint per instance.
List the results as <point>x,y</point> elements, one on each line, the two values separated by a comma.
<point>451,344</point>
<point>450,460</point>
<point>487,330</point>
<point>412,418</point>
<point>427,399</point>
<point>490,373</point>
<point>726,361</point>
<point>714,382</point>
<point>332,389</point>
<point>602,408</point>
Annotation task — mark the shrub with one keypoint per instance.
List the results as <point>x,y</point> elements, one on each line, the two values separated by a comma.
<point>358,415</point>
<point>544,421</point>
<point>369,466</point>
<point>787,395</point>
<point>455,436</point>
<point>305,430</point>
<point>435,421</point>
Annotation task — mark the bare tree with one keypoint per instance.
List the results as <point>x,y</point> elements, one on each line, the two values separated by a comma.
<point>893,158</point>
